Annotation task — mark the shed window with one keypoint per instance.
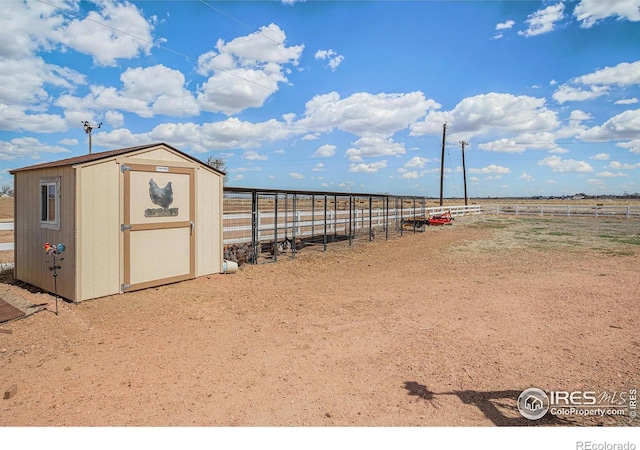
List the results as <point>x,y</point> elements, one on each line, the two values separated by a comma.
<point>50,204</point>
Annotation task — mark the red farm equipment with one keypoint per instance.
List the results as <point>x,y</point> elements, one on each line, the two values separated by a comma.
<point>441,219</point>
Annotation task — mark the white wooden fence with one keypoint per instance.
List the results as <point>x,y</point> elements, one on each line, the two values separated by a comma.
<point>306,223</point>
<point>626,212</point>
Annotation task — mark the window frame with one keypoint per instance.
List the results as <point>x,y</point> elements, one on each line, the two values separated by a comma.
<point>45,222</point>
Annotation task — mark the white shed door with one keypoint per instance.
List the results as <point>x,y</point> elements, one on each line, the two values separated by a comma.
<point>159,221</point>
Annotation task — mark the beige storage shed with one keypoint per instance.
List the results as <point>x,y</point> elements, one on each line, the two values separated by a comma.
<point>130,219</point>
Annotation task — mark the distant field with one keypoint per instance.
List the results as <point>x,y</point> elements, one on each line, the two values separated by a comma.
<point>6,209</point>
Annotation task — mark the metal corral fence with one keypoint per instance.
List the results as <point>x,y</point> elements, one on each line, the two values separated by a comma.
<point>263,225</point>
<point>626,212</point>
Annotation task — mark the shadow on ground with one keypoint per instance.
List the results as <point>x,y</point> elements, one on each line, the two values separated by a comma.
<point>497,406</point>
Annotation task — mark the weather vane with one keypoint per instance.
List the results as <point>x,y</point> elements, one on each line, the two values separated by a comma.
<point>88,129</point>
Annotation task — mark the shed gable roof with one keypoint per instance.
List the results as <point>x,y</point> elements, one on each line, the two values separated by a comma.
<point>105,155</point>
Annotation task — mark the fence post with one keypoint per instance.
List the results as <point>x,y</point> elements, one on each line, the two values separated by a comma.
<point>370,219</point>
<point>294,225</point>
<point>386,219</point>
<point>568,210</point>
<point>628,212</point>
<point>350,219</point>
<point>542,210</point>
<point>313,217</point>
<point>325,222</point>
<point>275,228</point>
<point>516,210</point>
<point>401,217</point>
<point>254,224</point>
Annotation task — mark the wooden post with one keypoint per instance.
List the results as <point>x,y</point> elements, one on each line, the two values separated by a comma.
<point>444,137</point>
<point>464,172</point>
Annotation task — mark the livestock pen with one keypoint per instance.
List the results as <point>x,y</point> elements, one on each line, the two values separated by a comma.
<point>264,225</point>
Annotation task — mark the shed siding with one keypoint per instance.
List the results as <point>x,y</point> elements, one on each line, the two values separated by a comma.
<point>162,154</point>
<point>98,230</point>
<point>209,218</point>
<point>31,261</point>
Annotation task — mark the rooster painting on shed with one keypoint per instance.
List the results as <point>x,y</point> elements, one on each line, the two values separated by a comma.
<point>162,197</point>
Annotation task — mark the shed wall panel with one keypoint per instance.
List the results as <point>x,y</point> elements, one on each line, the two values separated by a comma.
<point>32,263</point>
<point>98,230</point>
<point>162,154</point>
<point>209,220</point>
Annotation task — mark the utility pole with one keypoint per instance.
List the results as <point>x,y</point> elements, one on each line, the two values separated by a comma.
<point>464,172</point>
<point>88,129</point>
<point>444,137</point>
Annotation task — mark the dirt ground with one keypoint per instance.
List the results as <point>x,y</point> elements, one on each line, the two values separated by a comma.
<point>441,328</point>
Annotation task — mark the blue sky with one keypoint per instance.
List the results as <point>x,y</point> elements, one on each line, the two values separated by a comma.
<point>335,95</point>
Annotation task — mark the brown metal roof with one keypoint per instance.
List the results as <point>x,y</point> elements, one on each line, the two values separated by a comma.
<point>103,155</point>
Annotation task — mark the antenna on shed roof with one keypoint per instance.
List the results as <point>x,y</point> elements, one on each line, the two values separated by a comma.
<point>88,129</point>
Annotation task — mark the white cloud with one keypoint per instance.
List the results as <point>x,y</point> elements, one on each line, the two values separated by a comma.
<point>296,175</point>
<point>491,169</point>
<point>254,156</point>
<point>600,157</point>
<point>566,93</point>
<point>145,91</point>
<point>114,119</point>
<point>490,113</point>
<point>526,177</point>
<point>333,58</point>
<point>373,146</point>
<point>13,118</point>
<point>364,113</point>
<point>621,127</point>
<point>410,175</point>
<point>26,147</point>
<point>599,83</point>
<point>245,71</point>
<point>319,167</point>
<point>505,25</point>
<point>368,168</point>
<point>522,143</point>
<point>623,74</point>
<point>69,142</point>
<point>24,81</point>
<point>616,165</point>
<point>626,101</point>
<point>417,161</point>
<point>544,20</point>
<point>579,116</point>
<point>113,31</point>
<point>201,138</point>
<point>559,165</point>
<point>633,145</point>
<point>590,12</point>
<point>608,174</point>
<point>325,151</point>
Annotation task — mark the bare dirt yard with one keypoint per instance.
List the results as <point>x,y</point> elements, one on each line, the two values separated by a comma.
<point>441,328</point>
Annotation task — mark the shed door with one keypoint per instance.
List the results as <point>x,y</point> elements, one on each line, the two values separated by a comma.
<point>159,222</point>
